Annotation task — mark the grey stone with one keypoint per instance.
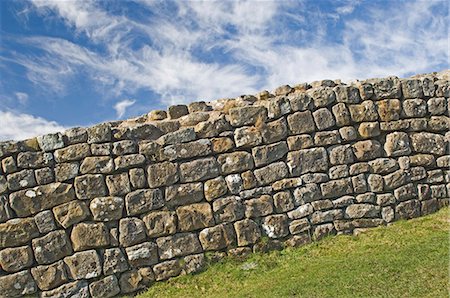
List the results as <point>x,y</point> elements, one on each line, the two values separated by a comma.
<point>325,138</point>
<point>45,222</point>
<point>320,217</point>
<point>348,133</point>
<point>101,149</point>
<point>301,122</point>
<point>408,209</point>
<point>383,165</point>
<point>307,161</point>
<point>283,201</point>
<point>287,183</point>
<point>218,237</point>
<point>347,94</point>
<point>162,174</point>
<point>275,131</point>
<point>259,207</point>
<point>73,289</point>
<point>322,231</point>
<point>335,188</point>
<point>300,101</point>
<point>228,209</point>
<point>143,200</point>
<point>20,180</point>
<point>32,201</point>
<point>160,223</point>
<point>131,231</point>
<point>182,194</point>
<point>16,258</point>
<point>72,153</point>
<point>365,111</point>
<point>322,96</point>
<point>144,254</point>
<point>234,183</point>
<point>436,106</point>
<point>369,129</point>
<point>118,184</point>
<point>414,107</point>
<point>182,135</point>
<point>197,148</point>
<point>341,154</point>
<point>124,147</point>
<point>193,263</point>
<point>44,176</point>
<point>341,114</point>
<point>75,135</point>
<point>17,284</point>
<point>50,276</point>
<point>339,171</point>
<point>368,197</point>
<point>51,247</point>
<point>137,178</point>
<point>322,204</point>
<point>275,226</point>
<point>264,155</point>
<point>137,279</point>
<point>106,208</point>
<point>387,88</point>
<point>17,231</point>
<point>307,193</point>
<point>212,127</point>
<point>90,186</point>
<point>128,161</point>
<point>178,245</point>
<point>84,265</point>
<point>343,201</point>
<point>299,142</point>
<point>33,160</point>
<point>198,170</point>
<point>323,119</point>
<point>405,192</point>
<point>105,287</point>
<point>176,111</point>
<point>271,173</point>
<point>99,133</point>
<point>425,142</point>
<point>367,150</point>
<point>66,171</point>
<point>51,141</point>
<point>167,269</point>
<point>362,211</point>
<point>235,162</point>
<point>114,261</point>
<point>412,88</point>
<point>247,136</point>
<point>395,179</point>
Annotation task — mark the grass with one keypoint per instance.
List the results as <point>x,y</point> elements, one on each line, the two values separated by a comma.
<point>406,259</point>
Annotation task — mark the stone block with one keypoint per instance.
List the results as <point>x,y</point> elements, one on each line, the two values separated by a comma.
<point>195,216</point>
<point>89,235</point>
<point>88,187</point>
<point>105,288</point>
<point>362,211</point>
<point>198,170</point>
<point>71,213</point>
<point>162,174</point>
<point>83,265</point>
<point>366,150</point>
<point>275,131</point>
<point>299,142</point>
<point>234,183</point>
<point>137,279</point>
<point>228,209</point>
<point>247,232</point>
<point>215,188</point>
<point>389,109</point>
<point>341,114</point>
<point>247,136</point>
<point>17,231</point>
<point>118,184</point>
<point>322,96</point>
<point>183,194</point>
<point>66,171</point>
<point>414,107</point>
<point>259,207</point>
<point>307,161</point>
<point>301,122</point>
<point>218,237</point>
<point>143,200</point>
<point>114,261</point>
<point>323,119</point>
<point>235,162</point>
<point>336,188</point>
<point>97,165</point>
<point>129,161</point>
<point>275,226</point>
<point>264,155</point>
<point>364,112</point>
<point>408,209</point>
<point>137,178</point>
<point>247,115</point>
<point>72,153</point>
<point>412,88</point>
<point>178,245</point>
<point>160,223</point>
<point>16,258</point>
<point>50,276</point>
<point>271,173</point>
<point>50,142</point>
<point>20,180</point>
<point>144,254</point>
<point>341,154</point>
<point>283,201</point>
<point>17,284</point>
<point>106,208</point>
<point>45,222</point>
<point>51,247</point>
<point>383,165</point>
<point>131,231</point>
<point>425,142</point>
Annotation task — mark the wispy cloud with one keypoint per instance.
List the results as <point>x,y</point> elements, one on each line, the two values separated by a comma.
<point>122,106</point>
<point>19,126</point>
<point>22,98</point>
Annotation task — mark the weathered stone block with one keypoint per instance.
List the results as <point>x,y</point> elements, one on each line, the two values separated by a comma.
<point>131,231</point>
<point>136,280</point>
<point>51,141</point>
<point>341,114</point>
<point>323,230</point>
<point>195,216</point>
<point>264,155</point>
<point>275,226</point>
<point>247,137</point>
<point>308,193</point>
<point>414,107</point>
<point>322,96</point>
<point>405,192</point>
<point>412,88</point>
<point>51,247</point>
<point>283,201</point>
<point>162,174</point>
<point>137,178</point>
<point>118,184</point>
<point>160,223</point>
<point>106,208</point>
<point>347,94</point>
<point>75,135</point>
<point>408,209</point>
<point>362,210</point>
<point>425,142</point>
<point>215,188</point>
<point>66,171</point>
<point>259,207</point>
<point>389,109</point>
<point>89,235</point>
<point>124,147</point>
<point>143,200</point>
<point>348,133</point>
<point>221,145</point>
<point>20,180</point>
<point>323,119</point>
<point>366,111</point>
<point>247,115</point>
<point>84,265</point>
<point>178,245</point>
<point>307,161</point>
<point>198,170</point>
<point>299,142</point>
<point>144,254</point>
<point>301,122</point>
<point>235,162</point>
<point>50,276</point>
<point>320,217</point>
<point>16,258</point>
<point>218,237</point>
<point>45,222</point>
<point>341,154</point>
<point>70,213</point>
<point>99,133</point>
<point>325,138</point>
<point>228,209</point>
<point>395,179</point>
<point>183,194</point>
<point>72,153</point>
<point>90,186</point>
<point>17,285</point>
<point>114,261</point>
<point>369,129</point>
<point>105,287</point>
<point>17,231</point>
<point>300,101</point>
<point>275,131</point>
<point>271,173</point>
<point>436,106</point>
<point>383,165</point>
<point>336,188</point>
<point>234,183</point>
<point>367,150</point>
<point>247,232</point>
<point>197,148</point>
<point>212,127</point>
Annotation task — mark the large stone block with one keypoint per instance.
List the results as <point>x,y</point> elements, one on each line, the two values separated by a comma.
<point>17,231</point>
<point>195,216</point>
<point>50,276</point>
<point>425,142</point>
<point>131,231</point>
<point>414,107</point>
<point>17,285</point>
<point>183,194</point>
<point>336,188</point>
<point>118,185</point>
<point>235,162</point>
<point>34,160</point>
<point>307,161</point>
<point>73,289</point>
<point>16,258</point>
<point>84,265</point>
<point>323,119</point>
<point>162,174</point>
<point>114,261</point>
<point>105,288</point>
<point>362,210</point>
<point>197,148</point>
<point>218,237</point>
<point>247,232</point>
<point>178,245</point>
<point>275,226</point>
<point>198,170</point>
<point>341,154</point>
<point>50,142</point>
<point>367,150</point>
<point>72,153</point>
<point>31,201</point>
<point>271,173</point>
<point>160,223</point>
<point>89,235</point>
<point>144,254</point>
<point>301,122</point>
<point>106,208</point>
<point>129,161</point>
<point>215,188</point>
<point>71,213</point>
<point>247,115</point>
<point>66,171</point>
<point>275,131</point>
<point>259,207</point>
<point>264,155</point>
<point>20,180</point>
<point>143,200</point>
<point>247,136</point>
<point>308,193</point>
<point>322,96</point>
<point>136,280</point>
<point>412,88</point>
<point>88,187</point>
<point>366,111</point>
<point>408,209</point>
<point>347,94</point>
<point>228,209</point>
<point>167,269</point>
<point>97,165</point>
<point>389,109</point>
<point>386,88</point>
<point>51,247</point>
<point>320,217</point>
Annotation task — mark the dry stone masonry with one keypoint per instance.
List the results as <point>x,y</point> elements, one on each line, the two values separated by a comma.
<point>111,209</point>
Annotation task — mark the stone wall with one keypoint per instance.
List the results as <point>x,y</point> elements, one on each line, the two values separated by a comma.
<point>113,208</point>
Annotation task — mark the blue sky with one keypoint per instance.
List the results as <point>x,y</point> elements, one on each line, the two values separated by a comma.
<point>77,63</point>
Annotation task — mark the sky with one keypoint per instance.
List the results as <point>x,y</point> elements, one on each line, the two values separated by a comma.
<point>78,63</point>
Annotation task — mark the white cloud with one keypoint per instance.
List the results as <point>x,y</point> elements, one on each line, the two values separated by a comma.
<point>122,106</point>
<point>19,126</point>
<point>22,98</point>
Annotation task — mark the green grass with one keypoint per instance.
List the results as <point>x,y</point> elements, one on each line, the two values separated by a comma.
<point>406,259</point>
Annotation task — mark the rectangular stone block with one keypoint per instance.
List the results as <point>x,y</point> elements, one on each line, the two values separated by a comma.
<point>199,170</point>
<point>178,245</point>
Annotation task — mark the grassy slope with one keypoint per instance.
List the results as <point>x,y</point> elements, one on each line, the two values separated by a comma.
<point>406,259</point>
